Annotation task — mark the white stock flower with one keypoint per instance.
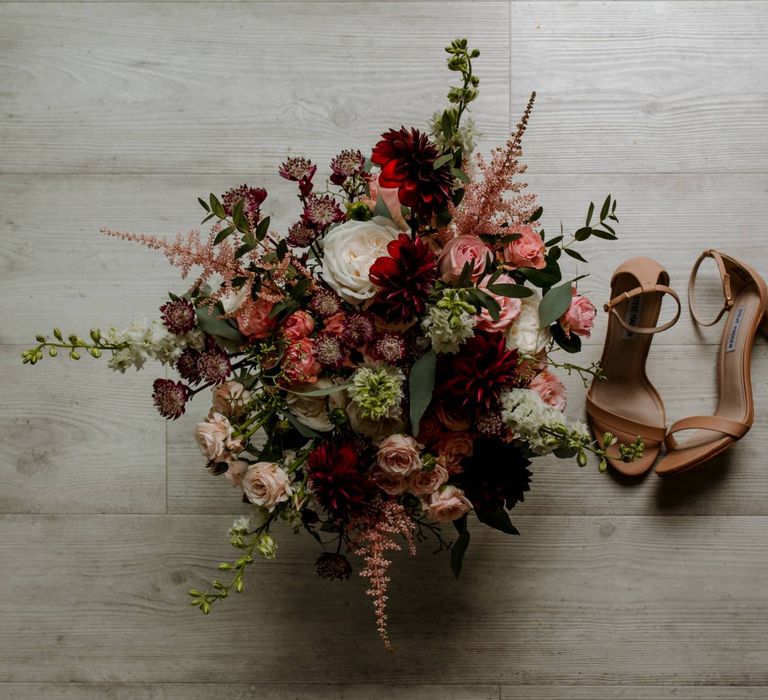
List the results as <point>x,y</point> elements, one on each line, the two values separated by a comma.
<point>349,250</point>
<point>448,328</point>
<point>525,414</point>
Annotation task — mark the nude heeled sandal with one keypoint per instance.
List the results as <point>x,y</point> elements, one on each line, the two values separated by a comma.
<point>746,303</point>
<point>625,403</point>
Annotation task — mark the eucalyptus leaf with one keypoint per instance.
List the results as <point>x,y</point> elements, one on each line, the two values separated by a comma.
<point>215,326</point>
<point>514,291</point>
<point>420,385</point>
<point>300,427</point>
<point>554,304</point>
<point>381,209</point>
<point>326,391</point>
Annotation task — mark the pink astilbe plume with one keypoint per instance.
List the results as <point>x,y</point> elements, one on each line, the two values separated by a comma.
<point>377,536</point>
<point>495,202</point>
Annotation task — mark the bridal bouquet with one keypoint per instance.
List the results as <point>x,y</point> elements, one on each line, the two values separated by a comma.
<point>385,366</point>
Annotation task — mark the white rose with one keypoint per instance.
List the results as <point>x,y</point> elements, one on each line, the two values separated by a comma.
<point>233,300</point>
<point>526,334</point>
<point>312,411</point>
<point>349,250</point>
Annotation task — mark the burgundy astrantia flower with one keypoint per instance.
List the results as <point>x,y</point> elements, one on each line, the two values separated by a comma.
<point>325,302</point>
<point>405,279</point>
<point>475,377</point>
<point>359,330</point>
<point>170,397</point>
<point>347,164</point>
<point>253,198</point>
<point>389,347</point>
<point>407,161</point>
<point>320,212</point>
<point>336,477</point>
<point>297,169</point>
<point>300,235</point>
<point>213,363</point>
<point>178,316</point>
<point>187,367</point>
<point>329,351</point>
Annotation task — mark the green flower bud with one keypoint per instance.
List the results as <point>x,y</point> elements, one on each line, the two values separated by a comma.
<point>359,211</point>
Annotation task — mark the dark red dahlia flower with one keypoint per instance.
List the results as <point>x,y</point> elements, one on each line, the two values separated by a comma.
<point>178,316</point>
<point>336,478</point>
<point>407,161</point>
<point>495,476</point>
<point>347,164</point>
<point>170,397</point>
<point>253,198</point>
<point>405,279</point>
<point>477,374</point>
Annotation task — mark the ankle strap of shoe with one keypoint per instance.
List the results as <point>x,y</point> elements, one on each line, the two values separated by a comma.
<point>724,277</point>
<point>637,291</point>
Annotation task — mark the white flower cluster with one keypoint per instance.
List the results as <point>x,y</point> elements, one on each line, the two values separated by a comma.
<point>148,340</point>
<point>450,322</point>
<point>526,414</point>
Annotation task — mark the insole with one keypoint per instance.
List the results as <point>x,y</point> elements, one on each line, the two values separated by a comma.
<point>626,390</point>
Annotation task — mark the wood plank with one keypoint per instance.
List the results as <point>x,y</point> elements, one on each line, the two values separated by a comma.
<point>85,279</point>
<point>148,88</point>
<point>622,692</point>
<point>643,86</point>
<point>617,600</point>
<point>78,439</point>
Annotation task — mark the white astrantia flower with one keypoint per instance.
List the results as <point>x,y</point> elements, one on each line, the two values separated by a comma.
<point>145,340</point>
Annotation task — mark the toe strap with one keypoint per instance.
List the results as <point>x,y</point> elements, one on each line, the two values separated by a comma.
<point>717,424</point>
<point>617,423</point>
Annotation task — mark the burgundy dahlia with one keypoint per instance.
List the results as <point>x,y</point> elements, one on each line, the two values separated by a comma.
<point>347,164</point>
<point>407,161</point>
<point>496,475</point>
<point>213,363</point>
<point>336,478</point>
<point>178,316</point>
<point>404,279</point>
<point>170,397</point>
<point>187,366</point>
<point>475,377</point>
<point>322,211</point>
<point>253,198</point>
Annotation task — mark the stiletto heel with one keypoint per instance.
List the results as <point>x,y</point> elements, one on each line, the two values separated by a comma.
<point>746,304</point>
<point>625,403</point>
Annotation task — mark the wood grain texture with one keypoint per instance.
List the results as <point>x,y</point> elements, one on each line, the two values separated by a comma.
<point>151,88</point>
<point>78,439</point>
<point>575,600</point>
<point>86,279</point>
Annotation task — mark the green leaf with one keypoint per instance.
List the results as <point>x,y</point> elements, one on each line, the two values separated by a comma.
<point>281,250</point>
<point>447,124</point>
<point>466,274</point>
<point>218,327</point>
<point>554,241</point>
<point>574,254</point>
<point>459,546</point>
<point>606,207</point>
<point>514,291</point>
<point>605,235</point>
<point>283,307</point>
<point>203,204</point>
<point>381,209</point>
<point>572,344</point>
<point>221,235</point>
<point>545,277</point>
<point>217,207</point>
<point>459,174</point>
<point>590,211</point>
<point>554,304</point>
<point>301,288</point>
<point>536,215</point>
<point>486,301</point>
<point>497,519</point>
<point>326,391</point>
<point>300,427</point>
<point>554,253</point>
<point>442,160</point>
<point>583,233</point>
<point>420,385</point>
<point>262,229</point>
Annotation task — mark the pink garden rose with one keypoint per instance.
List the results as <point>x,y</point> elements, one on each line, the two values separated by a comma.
<point>459,251</point>
<point>447,504</point>
<point>549,388</point>
<point>230,398</point>
<point>509,309</point>
<point>266,485</point>
<point>236,469</point>
<point>526,251</point>
<point>335,324</point>
<point>253,319</point>
<point>300,365</point>
<point>398,455</point>
<point>454,447</point>
<point>426,481</point>
<point>391,200</point>
<point>214,438</point>
<point>298,325</point>
<point>580,316</point>
<point>391,484</point>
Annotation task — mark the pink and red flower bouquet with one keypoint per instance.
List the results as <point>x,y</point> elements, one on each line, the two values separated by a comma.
<point>385,367</point>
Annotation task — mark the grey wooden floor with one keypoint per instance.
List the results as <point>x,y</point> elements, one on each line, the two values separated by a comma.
<point>121,113</point>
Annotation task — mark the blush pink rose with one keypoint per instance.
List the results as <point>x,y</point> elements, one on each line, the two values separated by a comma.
<point>391,484</point>
<point>427,481</point>
<point>298,325</point>
<point>509,310</point>
<point>230,398</point>
<point>580,316</point>
<point>266,485</point>
<point>549,388</point>
<point>214,438</point>
<point>236,469</point>
<point>454,447</point>
<point>526,251</point>
<point>399,455</point>
<point>459,251</point>
<point>447,504</point>
<point>300,365</point>
<point>253,319</point>
<point>391,201</point>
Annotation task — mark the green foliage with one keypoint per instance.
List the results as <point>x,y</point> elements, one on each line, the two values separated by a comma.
<point>421,383</point>
<point>459,548</point>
